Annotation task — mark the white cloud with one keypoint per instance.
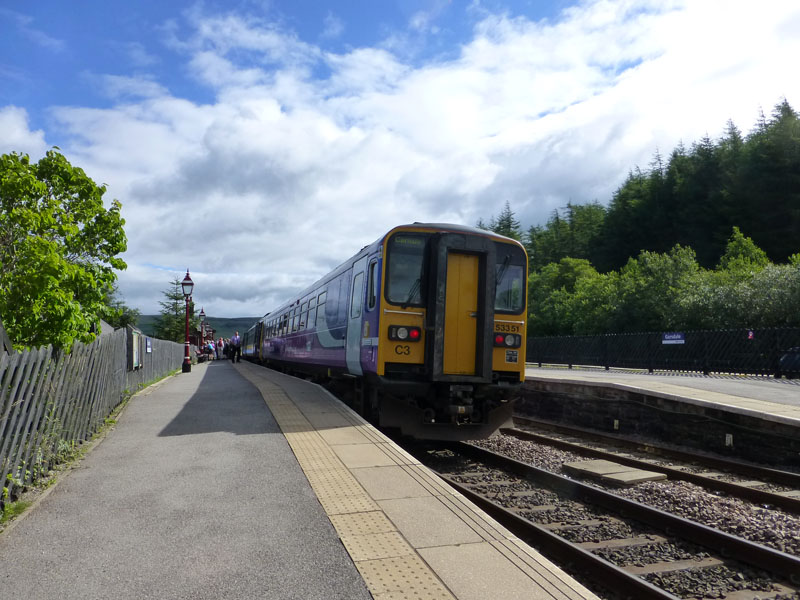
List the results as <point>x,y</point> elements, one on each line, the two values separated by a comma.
<point>284,175</point>
<point>139,56</point>
<point>333,27</point>
<point>16,136</point>
<point>123,87</point>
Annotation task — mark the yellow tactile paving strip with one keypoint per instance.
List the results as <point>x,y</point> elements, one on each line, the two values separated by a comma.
<point>332,444</point>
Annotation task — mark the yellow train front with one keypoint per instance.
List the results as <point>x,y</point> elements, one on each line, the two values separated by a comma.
<point>423,330</point>
<point>451,330</point>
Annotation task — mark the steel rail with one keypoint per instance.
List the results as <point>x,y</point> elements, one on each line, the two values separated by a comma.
<point>732,488</point>
<point>727,545</point>
<point>557,548</point>
<point>778,476</point>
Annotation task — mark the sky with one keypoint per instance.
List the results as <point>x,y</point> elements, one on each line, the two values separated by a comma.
<point>261,143</point>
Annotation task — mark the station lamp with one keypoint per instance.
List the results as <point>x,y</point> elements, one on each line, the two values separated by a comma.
<point>188,285</point>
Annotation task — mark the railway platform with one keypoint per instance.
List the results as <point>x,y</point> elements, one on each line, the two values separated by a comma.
<point>752,416</point>
<point>763,397</point>
<point>234,481</point>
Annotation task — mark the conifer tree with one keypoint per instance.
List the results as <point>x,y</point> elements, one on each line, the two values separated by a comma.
<point>171,324</point>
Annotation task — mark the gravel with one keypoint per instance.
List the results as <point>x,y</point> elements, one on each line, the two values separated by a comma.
<point>712,582</point>
<point>638,556</point>
<point>771,527</point>
<point>584,524</point>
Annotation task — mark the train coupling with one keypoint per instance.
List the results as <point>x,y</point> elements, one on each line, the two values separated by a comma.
<point>461,410</point>
<point>461,394</point>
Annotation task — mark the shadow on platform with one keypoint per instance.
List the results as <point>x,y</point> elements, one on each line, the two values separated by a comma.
<point>224,402</point>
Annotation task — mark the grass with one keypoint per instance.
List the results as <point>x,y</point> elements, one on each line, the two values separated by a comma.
<point>12,510</point>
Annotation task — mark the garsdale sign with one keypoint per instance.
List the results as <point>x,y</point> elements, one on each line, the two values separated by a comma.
<point>673,338</point>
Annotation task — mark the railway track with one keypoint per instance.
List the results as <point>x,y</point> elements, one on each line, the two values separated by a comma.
<point>755,483</point>
<point>633,550</point>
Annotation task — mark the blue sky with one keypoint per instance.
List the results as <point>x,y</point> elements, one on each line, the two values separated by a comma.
<point>54,50</point>
<point>286,135</point>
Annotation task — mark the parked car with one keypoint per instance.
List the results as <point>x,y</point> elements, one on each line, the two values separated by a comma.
<point>789,363</point>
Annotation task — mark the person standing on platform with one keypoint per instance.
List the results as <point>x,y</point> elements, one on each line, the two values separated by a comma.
<point>219,349</point>
<point>236,348</point>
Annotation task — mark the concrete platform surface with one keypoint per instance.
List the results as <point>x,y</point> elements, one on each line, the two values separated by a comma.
<point>767,398</point>
<point>194,494</point>
<point>409,535</point>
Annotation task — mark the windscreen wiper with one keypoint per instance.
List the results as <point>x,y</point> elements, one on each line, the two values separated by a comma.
<point>503,268</point>
<point>411,293</point>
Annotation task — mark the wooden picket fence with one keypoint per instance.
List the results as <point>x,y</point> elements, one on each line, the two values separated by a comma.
<point>51,402</point>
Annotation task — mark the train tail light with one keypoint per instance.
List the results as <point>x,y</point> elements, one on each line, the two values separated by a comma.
<point>507,340</point>
<point>403,333</point>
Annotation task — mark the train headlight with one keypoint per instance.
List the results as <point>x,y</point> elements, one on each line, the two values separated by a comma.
<point>403,333</point>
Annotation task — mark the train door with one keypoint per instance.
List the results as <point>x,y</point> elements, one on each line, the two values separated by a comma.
<point>353,351</point>
<point>461,312</point>
<point>461,308</point>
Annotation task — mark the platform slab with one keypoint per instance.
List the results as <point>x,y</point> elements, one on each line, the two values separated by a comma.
<point>410,535</point>
<point>385,483</point>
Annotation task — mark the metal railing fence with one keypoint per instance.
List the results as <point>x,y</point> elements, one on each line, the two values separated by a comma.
<point>745,351</point>
<point>51,401</point>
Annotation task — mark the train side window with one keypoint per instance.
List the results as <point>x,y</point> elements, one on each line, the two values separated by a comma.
<point>341,317</point>
<point>312,313</point>
<point>332,305</point>
<point>320,309</point>
<point>357,297</point>
<point>372,285</point>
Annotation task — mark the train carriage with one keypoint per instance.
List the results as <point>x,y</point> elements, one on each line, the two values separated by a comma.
<point>427,325</point>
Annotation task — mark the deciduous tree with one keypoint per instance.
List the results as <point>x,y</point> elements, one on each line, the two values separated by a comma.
<point>59,249</point>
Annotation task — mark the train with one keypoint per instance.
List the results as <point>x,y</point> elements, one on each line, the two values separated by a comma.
<point>423,331</point>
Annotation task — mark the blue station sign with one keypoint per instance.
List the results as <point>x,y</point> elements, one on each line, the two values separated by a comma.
<point>673,338</point>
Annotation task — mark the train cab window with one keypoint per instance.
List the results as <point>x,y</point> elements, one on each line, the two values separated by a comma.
<point>357,297</point>
<point>372,285</point>
<point>405,269</point>
<point>510,280</point>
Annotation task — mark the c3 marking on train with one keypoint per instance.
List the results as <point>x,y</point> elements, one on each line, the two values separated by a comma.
<point>402,350</point>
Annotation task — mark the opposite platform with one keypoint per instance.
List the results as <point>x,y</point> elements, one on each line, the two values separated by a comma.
<point>776,400</point>
<point>409,535</point>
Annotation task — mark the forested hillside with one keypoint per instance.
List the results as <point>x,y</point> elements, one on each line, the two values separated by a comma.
<point>706,238</point>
